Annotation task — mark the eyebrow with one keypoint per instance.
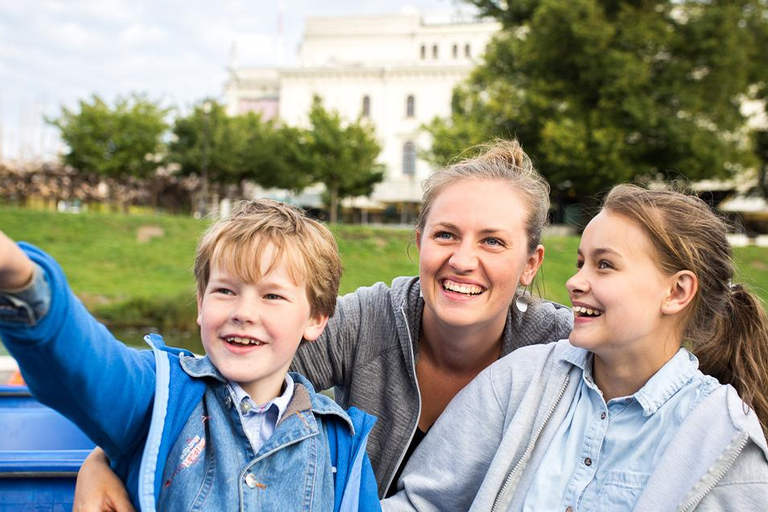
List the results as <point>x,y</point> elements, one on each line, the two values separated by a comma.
<point>486,231</point>
<point>600,251</point>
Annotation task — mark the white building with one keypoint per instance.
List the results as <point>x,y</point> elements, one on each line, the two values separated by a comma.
<point>397,70</point>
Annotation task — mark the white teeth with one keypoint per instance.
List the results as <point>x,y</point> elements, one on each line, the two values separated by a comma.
<point>467,289</point>
<point>243,341</point>
<point>586,311</point>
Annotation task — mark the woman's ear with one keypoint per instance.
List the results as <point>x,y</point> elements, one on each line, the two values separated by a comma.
<point>418,240</point>
<point>535,259</point>
<point>682,290</point>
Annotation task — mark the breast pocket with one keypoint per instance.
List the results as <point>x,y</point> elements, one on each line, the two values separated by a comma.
<point>621,489</point>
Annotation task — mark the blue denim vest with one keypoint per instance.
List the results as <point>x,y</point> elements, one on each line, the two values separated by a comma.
<point>212,463</point>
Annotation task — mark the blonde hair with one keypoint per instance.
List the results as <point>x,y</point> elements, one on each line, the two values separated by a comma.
<point>726,326</point>
<point>501,160</point>
<point>308,249</point>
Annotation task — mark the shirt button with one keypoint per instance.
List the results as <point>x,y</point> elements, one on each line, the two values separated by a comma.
<point>228,402</point>
<point>568,509</point>
<point>602,415</point>
<point>588,461</point>
<point>250,480</point>
<point>245,407</point>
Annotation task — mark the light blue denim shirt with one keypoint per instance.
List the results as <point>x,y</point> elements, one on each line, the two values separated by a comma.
<point>603,454</point>
<point>259,420</point>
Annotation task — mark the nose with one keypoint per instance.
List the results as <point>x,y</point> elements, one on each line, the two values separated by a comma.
<point>464,258</point>
<point>577,284</point>
<point>245,312</point>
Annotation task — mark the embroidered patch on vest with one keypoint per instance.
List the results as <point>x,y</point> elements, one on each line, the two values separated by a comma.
<point>189,455</point>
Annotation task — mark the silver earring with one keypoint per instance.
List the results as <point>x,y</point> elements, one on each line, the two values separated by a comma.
<point>521,302</point>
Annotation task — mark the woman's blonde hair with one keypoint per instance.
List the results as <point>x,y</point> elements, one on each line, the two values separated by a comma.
<point>726,326</point>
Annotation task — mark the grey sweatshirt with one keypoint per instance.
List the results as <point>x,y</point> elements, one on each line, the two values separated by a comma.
<point>484,450</point>
<point>368,352</point>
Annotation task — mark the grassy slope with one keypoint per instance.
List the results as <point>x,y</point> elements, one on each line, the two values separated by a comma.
<point>124,280</point>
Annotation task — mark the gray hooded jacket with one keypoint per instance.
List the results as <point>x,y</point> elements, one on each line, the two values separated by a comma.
<point>368,352</point>
<point>484,450</point>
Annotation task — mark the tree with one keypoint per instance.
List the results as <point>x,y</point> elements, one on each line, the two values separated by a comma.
<point>606,91</point>
<point>341,155</point>
<point>119,141</point>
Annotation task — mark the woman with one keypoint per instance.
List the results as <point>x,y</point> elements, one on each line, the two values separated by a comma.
<point>402,352</point>
<point>620,417</point>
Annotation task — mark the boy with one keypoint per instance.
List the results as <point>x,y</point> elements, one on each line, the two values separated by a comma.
<point>231,429</point>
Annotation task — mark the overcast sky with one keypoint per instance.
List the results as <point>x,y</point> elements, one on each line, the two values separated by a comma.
<point>56,52</point>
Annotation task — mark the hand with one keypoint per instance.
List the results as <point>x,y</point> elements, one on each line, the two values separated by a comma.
<point>16,269</point>
<point>98,487</point>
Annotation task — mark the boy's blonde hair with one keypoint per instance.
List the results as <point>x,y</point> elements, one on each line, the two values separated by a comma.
<point>307,248</point>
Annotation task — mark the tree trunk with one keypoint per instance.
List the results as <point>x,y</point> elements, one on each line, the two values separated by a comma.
<point>334,193</point>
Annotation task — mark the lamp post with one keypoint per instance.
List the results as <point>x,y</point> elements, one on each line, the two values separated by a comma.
<point>202,205</point>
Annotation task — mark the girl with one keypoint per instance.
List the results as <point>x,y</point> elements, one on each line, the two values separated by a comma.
<point>655,402</point>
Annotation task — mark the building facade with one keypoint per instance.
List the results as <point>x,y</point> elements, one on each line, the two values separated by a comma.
<point>396,70</point>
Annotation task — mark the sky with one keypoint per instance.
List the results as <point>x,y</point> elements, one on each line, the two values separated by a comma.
<point>54,53</point>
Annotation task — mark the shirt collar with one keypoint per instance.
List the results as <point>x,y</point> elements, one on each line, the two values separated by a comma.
<point>659,388</point>
<point>280,402</point>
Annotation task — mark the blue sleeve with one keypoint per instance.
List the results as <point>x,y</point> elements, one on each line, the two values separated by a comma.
<point>73,364</point>
<point>355,483</point>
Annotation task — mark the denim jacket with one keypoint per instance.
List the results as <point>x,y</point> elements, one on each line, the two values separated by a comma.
<point>166,418</point>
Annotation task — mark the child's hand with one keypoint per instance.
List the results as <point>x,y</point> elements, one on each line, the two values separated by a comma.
<point>98,489</point>
<point>16,269</point>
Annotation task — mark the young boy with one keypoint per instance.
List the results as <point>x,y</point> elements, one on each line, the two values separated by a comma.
<point>232,429</point>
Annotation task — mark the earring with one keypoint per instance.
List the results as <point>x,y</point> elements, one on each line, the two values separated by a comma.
<point>521,302</point>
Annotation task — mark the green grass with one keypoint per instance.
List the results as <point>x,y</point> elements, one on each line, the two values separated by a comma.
<point>128,283</point>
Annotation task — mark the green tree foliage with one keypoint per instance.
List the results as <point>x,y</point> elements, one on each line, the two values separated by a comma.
<point>606,91</point>
<point>341,155</point>
<point>115,141</point>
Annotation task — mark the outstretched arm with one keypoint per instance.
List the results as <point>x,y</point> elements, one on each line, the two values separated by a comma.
<point>98,487</point>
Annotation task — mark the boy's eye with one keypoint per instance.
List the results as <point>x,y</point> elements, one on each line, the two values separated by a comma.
<point>224,291</point>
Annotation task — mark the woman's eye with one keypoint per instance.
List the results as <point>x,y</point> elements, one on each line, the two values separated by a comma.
<point>442,235</point>
<point>579,264</point>
<point>495,242</point>
<point>602,265</point>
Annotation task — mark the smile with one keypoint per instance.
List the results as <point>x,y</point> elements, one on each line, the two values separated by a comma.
<point>466,289</point>
<point>239,340</point>
<point>584,311</point>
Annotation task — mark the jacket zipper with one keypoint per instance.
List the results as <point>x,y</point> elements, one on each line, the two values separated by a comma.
<point>418,394</point>
<point>696,499</point>
<point>529,449</point>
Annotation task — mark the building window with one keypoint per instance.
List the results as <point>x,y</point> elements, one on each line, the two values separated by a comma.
<point>423,52</point>
<point>455,51</point>
<point>467,51</point>
<point>409,159</point>
<point>410,106</point>
<point>434,51</point>
<point>366,106</point>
